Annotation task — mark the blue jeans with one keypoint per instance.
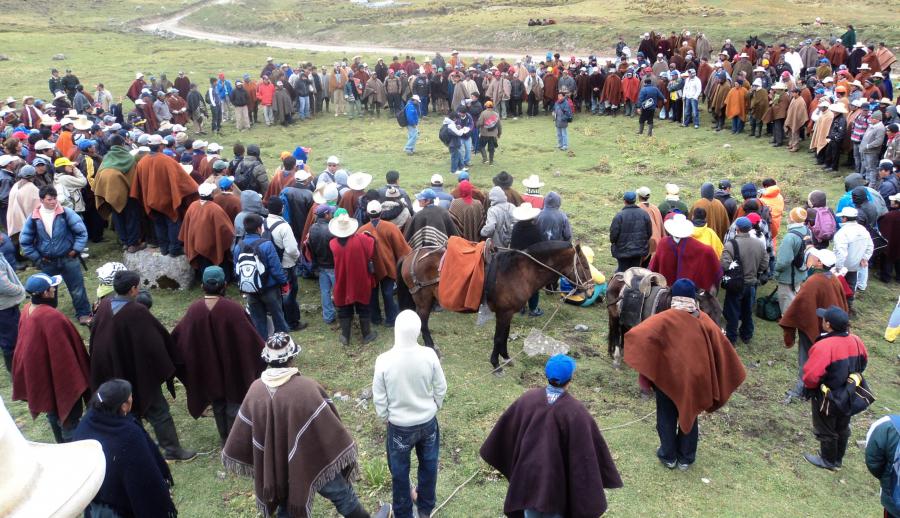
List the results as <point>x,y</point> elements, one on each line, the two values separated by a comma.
<point>128,223</point>
<point>412,135</point>
<point>70,269</point>
<point>456,159</point>
<point>268,301</point>
<point>467,150</point>
<point>303,107</point>
<point>423,106</point>
<point>9,332</point>
<point>326,283</point>
<point>562,138</point>
<point>737,125</point>
<point>339,491</point>
<point>476,142</point>
<point>401,440</point>
<point>386,287</point>
<point>739,310</point>
<point>674,444</point>
<point>167,233</point>
<point>691,112</point>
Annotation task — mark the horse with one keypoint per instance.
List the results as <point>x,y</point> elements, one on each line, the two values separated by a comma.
<point>706,300</point>
<point>512,277</point>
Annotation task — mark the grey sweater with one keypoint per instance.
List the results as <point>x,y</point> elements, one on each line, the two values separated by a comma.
<point>12,293</point>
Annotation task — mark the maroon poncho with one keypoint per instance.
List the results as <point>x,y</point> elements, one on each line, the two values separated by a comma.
<point>553,456</point>
<point>612,90</point>
<point>889,224</point>
<point>51,366</point>
<point>689,259</point>
<point>220,351</point>
<point>352,281</point>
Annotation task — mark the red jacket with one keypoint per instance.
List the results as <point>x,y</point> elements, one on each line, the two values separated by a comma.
<point>265,93</point>
<point>352,281</point>
<point>832,359</point>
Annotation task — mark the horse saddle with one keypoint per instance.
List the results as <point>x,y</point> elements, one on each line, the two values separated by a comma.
<point>640,295</point>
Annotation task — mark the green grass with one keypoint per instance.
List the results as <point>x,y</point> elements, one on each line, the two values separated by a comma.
<point>749,451</point>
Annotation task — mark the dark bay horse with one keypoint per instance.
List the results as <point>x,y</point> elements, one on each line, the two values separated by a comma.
<point>511,278</point>
<point>707,302</point>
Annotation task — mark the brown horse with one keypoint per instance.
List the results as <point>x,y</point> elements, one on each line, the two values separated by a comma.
<point>512,277</point>
<point>707,301</point>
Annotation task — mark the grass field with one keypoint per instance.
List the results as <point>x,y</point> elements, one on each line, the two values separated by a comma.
<point>749,462</point>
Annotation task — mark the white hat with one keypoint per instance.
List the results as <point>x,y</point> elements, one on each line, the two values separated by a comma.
<point>533,182</point>
<point>525,212</point>
<point>138,75</point>
<point>279,347</point>
<point>828,79</point>
<point>48,480</point>
<point>270,58</point>
<point>672,189</point>
<point>325,192</point>
<point>82,123</point>
<point>865,66</point>
<point>200,144</point>
<point>302,175</point>
<point>848,212</point>
<point>206,189</point>
<point>165,125</point>
<point>5,160</point>
<point>878,74</point>
<point>825,255</point>
<point>373,207</point>
<point>437,179</point>
<point>10,100</point>
<point>343,226</point>
<point>884,100</point>
<point>416,98</point>
<point>178,128</point>
<point>643,192</point>
<point>857,102</point>
<point>895,197</point>
<point>65,121</point>
<point>359,181</point>
<point>838,107</point>
<point>333,160</point>
<point>857,84</point>
<point>779,86</point>
<point>759,69</point>
<point>214,147</point>
<point>59,95</point>
<point>744,55</point>
<point>155,140</point>
<point>139,102</point>
<point>679,226</point>
<point>42,145</point>
<point>757,82</point>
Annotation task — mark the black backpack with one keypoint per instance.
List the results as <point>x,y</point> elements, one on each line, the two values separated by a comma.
<point>733,280</point>
<point>445,135</point>
<point>245,179</point>
<point>401,117</point>
<point>267,234</point>
<point>799,257</point>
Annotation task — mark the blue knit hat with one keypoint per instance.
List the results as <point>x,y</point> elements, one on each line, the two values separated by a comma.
<point>743,224</point>
<point>684,288</point>
<point>748,190</point>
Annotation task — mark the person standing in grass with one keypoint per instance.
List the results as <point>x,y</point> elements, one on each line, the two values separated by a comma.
<point>562,116</point>
<point>551,451</point>
<point>412,124</point>
<point>882,443</point>
<point>648,98</point>
<point>630,233</point>
<point>751,255</point>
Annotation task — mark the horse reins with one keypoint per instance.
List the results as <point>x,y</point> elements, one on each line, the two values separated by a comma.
<point>577,283</point>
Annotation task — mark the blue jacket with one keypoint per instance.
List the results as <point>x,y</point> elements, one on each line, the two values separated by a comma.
<point>649,92</point>
<point>223,88</point>
<point>412,113</point>
<point>69,233</point>
<point>268,255</point>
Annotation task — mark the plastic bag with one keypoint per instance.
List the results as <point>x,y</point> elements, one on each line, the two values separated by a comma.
<point>893,328</point>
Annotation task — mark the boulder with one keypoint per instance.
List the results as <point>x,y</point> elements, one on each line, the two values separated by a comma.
<point>58,57</point>
<point>160,271</point>
<point>4,57</point>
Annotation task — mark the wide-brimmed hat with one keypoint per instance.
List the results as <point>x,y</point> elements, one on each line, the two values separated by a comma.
<point>825,255</point>
<point>679,226</point>
<point>343,225</point>
<point>279,347</point>
<point>533,182</point>
<point>325,192</point>
<point>838,107</point>
<point>359,181</point>
<point>82,123</point>
<point>525,211</point>
<point>59,95</point>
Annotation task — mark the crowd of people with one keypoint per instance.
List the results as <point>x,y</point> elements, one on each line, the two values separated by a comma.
<point>73,165</point>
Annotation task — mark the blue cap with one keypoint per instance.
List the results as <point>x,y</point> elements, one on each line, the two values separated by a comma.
<point>84,144</point>
<point>835,316</point>
<point>41,282</point>
<point>743,223</point>
<point>299,154</point>
<point>630,197</point>
<point>559,369</point>
<point>169,152</point>
<point>684,288</point>
<point>225,182</point>
<point>748,190</point>
<point>463,176</point>
<point>426,194</point>
<point>213,275</point>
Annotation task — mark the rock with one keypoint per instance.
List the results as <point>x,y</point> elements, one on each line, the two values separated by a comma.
<point>58,57</point>
<point>726,146</point>
<point>4,57</point>
<point>705,480</point>
<point>365,393</point>
<point>160,271</point>
<point>581,328</point>
<point>220,475</point>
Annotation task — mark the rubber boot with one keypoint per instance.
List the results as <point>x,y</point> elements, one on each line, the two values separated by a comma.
<point>167,437</point>
<point>365,325</point>
<point>483,156</point>
<point>641,128</point>
<point>345,324</point>
<point>825,459</point>
<point>359,512</point>
<point>650,131</point>
<point>840,450</point>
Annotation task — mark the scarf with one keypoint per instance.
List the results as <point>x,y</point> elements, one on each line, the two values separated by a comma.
<point>684,304</point>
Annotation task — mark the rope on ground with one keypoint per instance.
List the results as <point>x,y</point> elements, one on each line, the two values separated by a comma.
<point>438,508</point>
<point>629,423</point>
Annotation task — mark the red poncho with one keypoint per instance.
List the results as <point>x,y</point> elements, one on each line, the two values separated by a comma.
<point>688,259</point>
<point>51,365</point>
<point>352,281</point>
<point>612,90</point>
<point>631,87</point>
<point>159,183</point>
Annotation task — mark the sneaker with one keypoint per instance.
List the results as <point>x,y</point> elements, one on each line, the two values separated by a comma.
<point>180,454</point>
<point>683,466</point>
<point>384,511</point>
<point>536,312</point>
<point>668,464</point>
<point>85,320</point>
<point>819,462</point>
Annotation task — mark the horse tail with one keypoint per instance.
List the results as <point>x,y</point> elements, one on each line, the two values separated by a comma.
<point>404,297</point>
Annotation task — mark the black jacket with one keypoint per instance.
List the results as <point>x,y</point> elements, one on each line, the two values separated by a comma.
<point>239,97</point>
<point>524,234</point>
<point>728,201</point>
<point>319,244</point>
<point>838,128</point>
<point>630,233</point>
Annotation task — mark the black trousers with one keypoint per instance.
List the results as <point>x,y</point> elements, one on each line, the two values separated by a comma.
<point>625,263</point>
<point>515,107</point>
<point>779,132</point>
<point>533,104</point>
<point>362,310</point>
<point>832,432</point>
<point>833,155</point>
<point>674,444</point>
<point>225,414</point>
<point>647,116</point>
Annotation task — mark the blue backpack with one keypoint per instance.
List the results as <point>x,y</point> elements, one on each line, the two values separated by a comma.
<point>895,476</point>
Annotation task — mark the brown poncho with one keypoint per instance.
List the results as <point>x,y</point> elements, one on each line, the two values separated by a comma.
<point>686,356</point>
<point>390,247</point>
<point>159,183</point>
<point>112,182</point>
<point>206,232</point>
<point>716,215</point>
<point>821,290</point>
<point>612,90</point>
<point>553,456</point>
<point>230,203</point>
<point>820,131</point>
<point>717,102</point>
<point>290,439</point>
<point>796,114</point>
<point>759,103</point>
<point>220,350</point>
<point>468,218</point>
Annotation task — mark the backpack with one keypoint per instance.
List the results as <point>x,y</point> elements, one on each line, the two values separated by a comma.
<point>267,234</point>
<point>491,122</point>
<point>360,214</point>
<point>733,280</point>
<point>445,135</point>
<point>401,117</point>
<point>895,466</point>
<point>251,270</point>
<point>799,260</point>
<point>824,226</point>
<point>245,179</point>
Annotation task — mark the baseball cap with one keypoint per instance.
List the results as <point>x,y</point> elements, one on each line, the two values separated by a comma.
<point>559,369</point>
<point>848,212</point>
<point>41,282</point>
<point>825,255</point>
<point>437,179</point>
<point>835,316</point>
<point>213,275</point>
<point>373,207</point>
<point>226,182</point>
<point>426,194</point>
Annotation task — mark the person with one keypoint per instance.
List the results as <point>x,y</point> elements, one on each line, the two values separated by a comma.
<point>240,99</point>
<point>251,174</point>
<point>788,273</point>
<point>390,247</point>
<point>408,389</point>
<point>50,367</point>
<point>691,366</point>
<point>219,350</point>
<point>280,232</point>
<point>532,194</point>
<point>54,238</point>
<point>251,203</point>
<point>693,89</point>
<point>656,221</point>
<point>882,441</point>
<point>504,180</point>
<point>12,293</point>
<point>630,233</point>
<point>853,247</point>
<point>432,225</point>
<point>716,214</point>
<point>467,213</point>
<point>889,226</point>
<point>673,202</point>
<point>206,232</point>
<point>562,116</point>
<point>751,255</point>
<point>525,233</point>
<point>648,98</point>
<point>137,480</point>
<point>680,255</point>
<point>489,131</point>
<point>444,198</point>
<point>353,278</point>
<point>832,376</point>
<point>499,221</point>
<point>127,341</point>
<point>553,222</point>
<point>870,148</point>
<point>547,428</point>
<point>112,185</point>
<point>704,234</point>
<point>822,288</point>
<point>281,407</point>
<point>411,110</point>
<point>263,296</point>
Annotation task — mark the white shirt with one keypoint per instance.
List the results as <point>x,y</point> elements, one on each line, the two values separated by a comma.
<point>692,88</point>
<point>852,244</point>
<point>283,238</point>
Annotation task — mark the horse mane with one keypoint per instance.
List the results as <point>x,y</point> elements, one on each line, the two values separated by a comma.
<point>507,258</point>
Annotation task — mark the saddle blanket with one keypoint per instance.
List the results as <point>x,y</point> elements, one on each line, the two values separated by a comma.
<point>462,275</point>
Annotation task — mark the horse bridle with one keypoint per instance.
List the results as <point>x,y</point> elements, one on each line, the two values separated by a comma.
<point>577,284</point>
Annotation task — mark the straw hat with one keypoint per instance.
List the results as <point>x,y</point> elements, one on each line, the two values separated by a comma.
<point>533,182</point>
<point>359,181</point>
<point>525,211</point>
<point>82,123</point>
<point>325,192</point>
<point>679,226</point>
<point>50,480</point>
<point>59,95</point>
<point>343,225</point>
<point>838,108</point>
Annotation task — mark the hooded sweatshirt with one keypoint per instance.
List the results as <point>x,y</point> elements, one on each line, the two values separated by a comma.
<point>851,181</point>
<point>251,203</point>
<point>554,223</point>
<point>409,386</point>
<point>499,222</point>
